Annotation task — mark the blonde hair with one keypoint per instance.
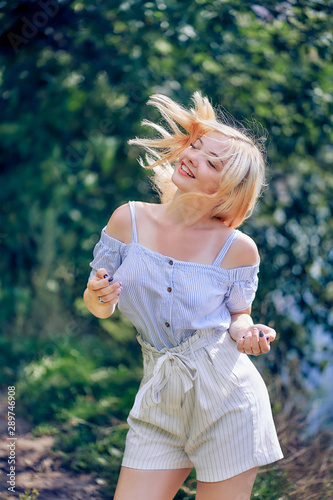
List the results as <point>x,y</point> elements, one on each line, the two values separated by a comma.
<point>243,158</point>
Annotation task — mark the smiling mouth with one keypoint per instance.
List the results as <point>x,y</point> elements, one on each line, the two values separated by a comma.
<point>185,170</point>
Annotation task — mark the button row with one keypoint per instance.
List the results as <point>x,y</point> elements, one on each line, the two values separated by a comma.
<point>169,290</point>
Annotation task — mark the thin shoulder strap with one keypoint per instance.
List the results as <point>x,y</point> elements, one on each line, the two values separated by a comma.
<point>134,229</point>
<point>225,248</point>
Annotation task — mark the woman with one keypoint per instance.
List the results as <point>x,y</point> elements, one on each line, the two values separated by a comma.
<point>186,278</point>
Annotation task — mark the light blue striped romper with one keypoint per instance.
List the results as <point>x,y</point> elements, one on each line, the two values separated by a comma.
<point>201,403</point>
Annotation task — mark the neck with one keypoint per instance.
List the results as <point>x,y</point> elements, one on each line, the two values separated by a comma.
<point>188,214</point>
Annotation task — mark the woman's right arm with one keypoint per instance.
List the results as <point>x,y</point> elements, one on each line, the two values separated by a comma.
<point>101,285</point>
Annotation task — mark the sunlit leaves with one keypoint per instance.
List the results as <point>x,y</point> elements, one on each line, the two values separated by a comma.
<point>75,91</point>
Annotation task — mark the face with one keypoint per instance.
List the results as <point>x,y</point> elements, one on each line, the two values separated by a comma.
<point>195,172</point>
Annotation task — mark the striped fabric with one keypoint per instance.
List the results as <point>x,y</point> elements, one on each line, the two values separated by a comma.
<point>201,403</point>
<point>167,300</point>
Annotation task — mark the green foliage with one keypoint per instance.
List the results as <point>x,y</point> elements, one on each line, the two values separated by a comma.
<point>78,383</point>
<point>62,183</point>
<point>272,484</point>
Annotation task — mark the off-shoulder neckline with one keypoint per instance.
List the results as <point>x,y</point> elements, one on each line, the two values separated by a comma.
<point>177,261</point>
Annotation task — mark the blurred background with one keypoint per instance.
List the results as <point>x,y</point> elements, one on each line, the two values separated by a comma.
<point>75,79</point>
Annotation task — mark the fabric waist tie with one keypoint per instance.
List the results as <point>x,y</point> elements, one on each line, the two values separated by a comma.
<point>166,361</point>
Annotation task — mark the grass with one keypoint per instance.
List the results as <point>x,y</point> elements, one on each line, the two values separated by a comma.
<point>30,494</point>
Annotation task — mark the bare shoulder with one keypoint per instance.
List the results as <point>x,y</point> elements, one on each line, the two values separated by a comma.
<point>246,247</point>
<point>147,213</point>
<point>149,209</point>
<point>120,224</point>
<point>243,252</point>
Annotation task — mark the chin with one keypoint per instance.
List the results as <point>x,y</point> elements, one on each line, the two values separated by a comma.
<point>178,180</point>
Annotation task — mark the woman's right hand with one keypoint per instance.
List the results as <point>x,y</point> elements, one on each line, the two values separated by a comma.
<point>102,294</point>
<point>102,288</point>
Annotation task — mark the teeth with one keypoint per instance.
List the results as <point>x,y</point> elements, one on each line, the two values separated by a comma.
<point>186,170</point>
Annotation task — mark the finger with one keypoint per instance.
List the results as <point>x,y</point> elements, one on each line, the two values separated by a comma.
<point>263,342</point>
<point>111,301</point>
<point>240,345</point>
<point>110,298</point>
<point>247,343</point>
<point>111,290</point>
<point>271,335</point>
<point>268,331</point>
<point>255,342</point>
<point>98,284</point>
<point>102,273</point>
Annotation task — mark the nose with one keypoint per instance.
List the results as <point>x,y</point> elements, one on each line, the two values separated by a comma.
<point>192,156</point>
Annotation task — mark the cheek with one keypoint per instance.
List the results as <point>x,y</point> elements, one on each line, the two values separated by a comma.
<point>212,185</point>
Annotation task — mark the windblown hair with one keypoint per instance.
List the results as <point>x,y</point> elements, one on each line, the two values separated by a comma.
<point>243,157</point>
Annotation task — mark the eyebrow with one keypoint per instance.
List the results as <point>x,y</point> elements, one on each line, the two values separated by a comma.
<point>212,153</point>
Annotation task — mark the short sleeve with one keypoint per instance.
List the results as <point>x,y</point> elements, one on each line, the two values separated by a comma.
<point>108,253</point>
<point>242,289</point>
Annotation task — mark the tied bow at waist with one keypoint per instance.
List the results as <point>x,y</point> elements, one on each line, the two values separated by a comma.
<point>166,363</point>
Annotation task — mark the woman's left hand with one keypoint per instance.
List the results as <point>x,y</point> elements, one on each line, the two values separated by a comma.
<point>256,340</point>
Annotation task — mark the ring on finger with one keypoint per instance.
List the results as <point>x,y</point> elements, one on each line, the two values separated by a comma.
<point>101,301</point>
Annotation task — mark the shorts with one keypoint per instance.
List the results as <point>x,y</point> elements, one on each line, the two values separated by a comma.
<point>201,404</point>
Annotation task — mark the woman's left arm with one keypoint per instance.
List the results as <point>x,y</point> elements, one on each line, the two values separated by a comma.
<point>251,339</point>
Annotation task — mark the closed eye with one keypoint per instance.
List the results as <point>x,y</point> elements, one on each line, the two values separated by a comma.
<point>209,162</point>
<point>212,164</point>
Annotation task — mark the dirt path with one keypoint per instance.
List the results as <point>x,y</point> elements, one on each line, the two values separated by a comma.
<point>37,466</point>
